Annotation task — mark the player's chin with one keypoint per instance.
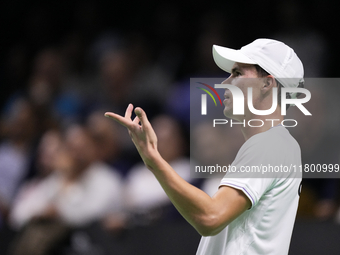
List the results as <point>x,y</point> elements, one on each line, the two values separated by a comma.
<point>228,112</point>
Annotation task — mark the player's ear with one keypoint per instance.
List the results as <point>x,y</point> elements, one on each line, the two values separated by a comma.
<point>268,83</point>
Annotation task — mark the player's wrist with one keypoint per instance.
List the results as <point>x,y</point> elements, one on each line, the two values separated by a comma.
<point>152,159</point>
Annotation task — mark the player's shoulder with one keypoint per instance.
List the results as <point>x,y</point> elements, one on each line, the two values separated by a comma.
<point>275,135</point>
<point>275,139</point>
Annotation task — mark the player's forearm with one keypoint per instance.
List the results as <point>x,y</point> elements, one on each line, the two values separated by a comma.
<point>198,208</point>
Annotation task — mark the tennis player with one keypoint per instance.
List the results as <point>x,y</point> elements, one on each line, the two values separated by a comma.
<point>246,215</point>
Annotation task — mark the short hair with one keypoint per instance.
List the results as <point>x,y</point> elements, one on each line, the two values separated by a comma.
<point>263,73</point>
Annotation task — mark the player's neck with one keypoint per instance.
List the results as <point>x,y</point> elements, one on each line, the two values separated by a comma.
<point>256,124</point>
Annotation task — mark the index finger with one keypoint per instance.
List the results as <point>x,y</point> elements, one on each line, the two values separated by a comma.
<point>120,119</point>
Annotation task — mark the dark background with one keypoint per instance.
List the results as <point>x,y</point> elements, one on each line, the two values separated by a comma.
<point>177,36</point>
<point>28,26</point>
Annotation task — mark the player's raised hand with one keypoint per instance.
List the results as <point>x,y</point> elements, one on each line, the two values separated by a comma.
<point>140,131</point>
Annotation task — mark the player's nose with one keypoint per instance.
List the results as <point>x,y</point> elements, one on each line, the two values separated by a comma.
<point>227,81</point>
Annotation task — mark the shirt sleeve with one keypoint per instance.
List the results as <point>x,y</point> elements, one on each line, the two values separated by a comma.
<point>253,188</point>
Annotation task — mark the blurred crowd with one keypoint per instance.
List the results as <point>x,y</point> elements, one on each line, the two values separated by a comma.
<point>64,165</point>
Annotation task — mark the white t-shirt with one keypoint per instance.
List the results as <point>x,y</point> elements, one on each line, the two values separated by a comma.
<point>265,228</point>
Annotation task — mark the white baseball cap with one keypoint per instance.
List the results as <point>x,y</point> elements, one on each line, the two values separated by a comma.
<point>273,56</point>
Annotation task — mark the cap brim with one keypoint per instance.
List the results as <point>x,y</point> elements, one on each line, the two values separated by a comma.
<point>225,58</point>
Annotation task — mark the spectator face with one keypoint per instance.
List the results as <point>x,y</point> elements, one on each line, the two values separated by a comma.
<point>20,126</point>
<point>80,146</point>
<point>170,140</point>
<point>49,146</point>
<point>48,65</point>
<point>105,134</point>
<point>116,75</point>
